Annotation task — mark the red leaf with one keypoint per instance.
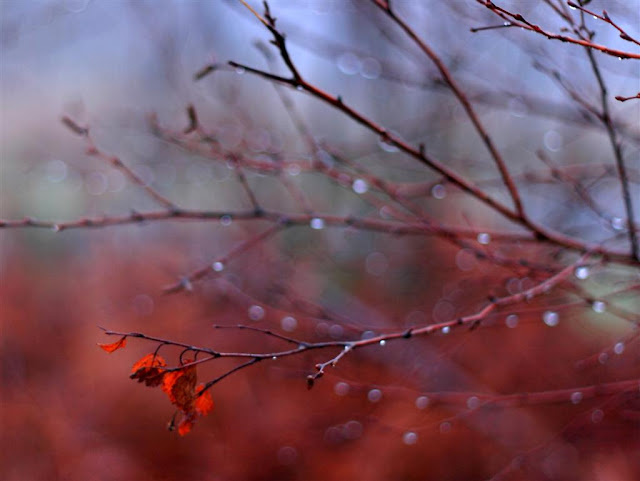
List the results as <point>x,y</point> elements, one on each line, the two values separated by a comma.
<point>185,425</point>
<point>114,346</point>
<point>180,387</point>
<point>150,370</point>
<point>204,403</point>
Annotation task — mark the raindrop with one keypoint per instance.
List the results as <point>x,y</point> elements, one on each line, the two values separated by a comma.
<point>465,260</point>
<point>511,321</point>
<point>368,335</point>
<point>386,145</point>
<point>322,329</point>
<point>617,223</point>
<point>256,313</point>
<point>55,228</point>
<point>240,70</point>
<point>473,402</point>
<point>336,331</point>
<point>217,266</point>
<point>422,402</point>
<point>274,358</point>
<point>597,415</point>
<point>352,430</point>
<point>348,63</point>
<point>383,342</point>
<point>374,395</point>
<point>552,141</point>
<point>581,272</point>
<point>96,183</point>
<point>513,285</point>
<point>599,307</point>
<point>551,318</point>
<point>293,169</point>
<point>527,283</point>
<point>603,358</point>
<point>446,330</point>
<point>289,323</point>
<point>317,223</point>
<point>576,397</point>
<point>341,388</point>
<point>444,310</point>
<point>287,455</point>
<point>409,438</point>
<point>56,171</point>
<point>143,305</point>
<point>360,186</point>
<point>618,348</point>
<point>445,427</point>
<point>333,435</point>
<point>484,238</point>
<point>226,220</point>
<point>386,212</point>
<point>438,191</point>
<point>370,68</point>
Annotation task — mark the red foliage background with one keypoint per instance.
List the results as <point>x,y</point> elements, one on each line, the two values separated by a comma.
<point>563,400</point>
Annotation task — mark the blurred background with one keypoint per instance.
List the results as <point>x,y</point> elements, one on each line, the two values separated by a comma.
<point>405,410</point>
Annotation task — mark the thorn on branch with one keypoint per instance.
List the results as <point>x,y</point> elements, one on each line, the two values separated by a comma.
<point>74,127</point>
<point>137,216</point>
<point>204,71</point>
<point>193,119</point>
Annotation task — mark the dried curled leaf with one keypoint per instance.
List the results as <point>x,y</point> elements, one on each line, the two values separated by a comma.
<point>114,346</point>
<point>150,370</point>
<point>180,386</point>
<point>202,405</point>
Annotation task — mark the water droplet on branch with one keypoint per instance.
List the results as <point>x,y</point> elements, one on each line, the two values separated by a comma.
<point>551,318</point>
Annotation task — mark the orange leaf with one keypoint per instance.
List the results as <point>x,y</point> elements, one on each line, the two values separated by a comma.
<point>185,425</point>
<point>180,387</point>
<point>149,370</point>
<point>114,346</point>
<point>204,403</point>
